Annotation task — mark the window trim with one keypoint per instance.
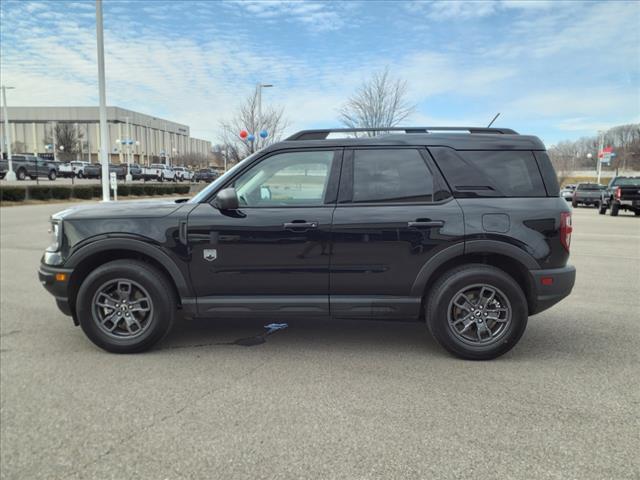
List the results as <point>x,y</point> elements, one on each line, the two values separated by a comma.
<point>345,194</point>
<point>330,192</point>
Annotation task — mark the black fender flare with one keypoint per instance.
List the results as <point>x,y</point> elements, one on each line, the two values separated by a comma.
<point>465,248</point>
<point>135,245</point>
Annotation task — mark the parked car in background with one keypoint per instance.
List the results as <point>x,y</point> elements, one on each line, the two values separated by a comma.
<point>73,169</point>
<point>622,193</point>
<point>465,232</point>
<point>567,192</point>
<point>94,170</point>
<point>159,172</point>
<point>587,194</point>
<point>183,174</point>
<point>29,166</point>
<point>205,175</point>
<point>136,171</point>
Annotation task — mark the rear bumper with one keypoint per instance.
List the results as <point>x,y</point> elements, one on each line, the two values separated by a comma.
<point>56,281</point>
<point>551,286</point>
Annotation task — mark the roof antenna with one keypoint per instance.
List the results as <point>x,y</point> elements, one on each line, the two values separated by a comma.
<point>494,119</point>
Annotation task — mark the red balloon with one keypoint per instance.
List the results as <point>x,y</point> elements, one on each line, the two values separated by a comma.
<point>243,134</point>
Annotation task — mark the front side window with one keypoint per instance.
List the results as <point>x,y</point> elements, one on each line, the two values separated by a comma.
<point>286,179</point>
<point>391,175</point>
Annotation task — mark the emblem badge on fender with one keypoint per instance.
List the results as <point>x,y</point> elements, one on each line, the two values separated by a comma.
<point>210,254</point>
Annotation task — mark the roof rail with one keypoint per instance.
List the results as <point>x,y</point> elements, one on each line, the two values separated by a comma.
<point>322,134</point>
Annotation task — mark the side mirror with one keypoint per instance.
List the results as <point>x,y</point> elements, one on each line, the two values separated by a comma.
<point>227,199</point>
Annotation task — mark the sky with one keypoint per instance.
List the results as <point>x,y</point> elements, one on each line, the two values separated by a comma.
<point>556,69</point>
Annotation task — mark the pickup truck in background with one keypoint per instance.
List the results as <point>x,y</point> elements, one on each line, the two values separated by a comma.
<point>94,170</point>
<point>72,169</point>
<point>622,193</point>
<point>183,174</point>
<point>207,175</point>
<point>158,171</point>
<point>29,166</point>
<point>587,194</point>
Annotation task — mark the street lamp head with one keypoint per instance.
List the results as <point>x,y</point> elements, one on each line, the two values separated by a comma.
<point>589,155</point>
<point>118,140</point>
<point>61,147</point>
<point>266,85</point>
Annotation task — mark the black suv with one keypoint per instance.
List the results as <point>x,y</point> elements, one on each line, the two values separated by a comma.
<point>462,228</point>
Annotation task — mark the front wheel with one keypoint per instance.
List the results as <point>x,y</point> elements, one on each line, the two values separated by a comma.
<point>126,306</point>
<point>477,312</point>
<point>603,208</point>
<point>22,174</point>
<point>52,175</point>
<point>80,175</point>
<point>574,204</point>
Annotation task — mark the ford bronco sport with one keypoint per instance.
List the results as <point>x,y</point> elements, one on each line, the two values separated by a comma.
<point>462,228</point>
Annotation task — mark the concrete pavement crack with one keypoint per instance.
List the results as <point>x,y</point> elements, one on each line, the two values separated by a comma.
<point>166,417</point>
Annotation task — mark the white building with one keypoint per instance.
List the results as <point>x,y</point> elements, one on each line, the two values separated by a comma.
<point>153,139</point>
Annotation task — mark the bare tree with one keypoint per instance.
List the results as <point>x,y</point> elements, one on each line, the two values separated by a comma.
<point>66,136</point>
<point>379,102</point>
<point>247,118</point>
<point>563,158</point>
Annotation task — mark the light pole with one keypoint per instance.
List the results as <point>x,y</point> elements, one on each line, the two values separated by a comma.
<point>104,132</point>
<point>128,177</point>
<point>11,175</point>
<point>259,88</point>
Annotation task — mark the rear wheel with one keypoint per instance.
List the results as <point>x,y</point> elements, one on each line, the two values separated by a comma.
<point>574,204</point>
<point>603,208</point>
<point>126,306</point>
<point>477,312</point>
<point>614,209</point>
<point>80,175</point>
<point>52,175</point>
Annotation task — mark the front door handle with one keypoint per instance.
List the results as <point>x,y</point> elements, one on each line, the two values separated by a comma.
<point>300,226</point>
<point>426,224</point>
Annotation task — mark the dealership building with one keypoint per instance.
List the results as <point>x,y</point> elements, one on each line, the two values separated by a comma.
<point>146,138</point>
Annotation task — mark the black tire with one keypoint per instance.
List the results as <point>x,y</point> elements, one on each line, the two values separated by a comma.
<point>80,175</point>
<point>52,175</point>
<point>636,213</point>
<point>21,174</point>
<point>603,208</point>
<point>448,286</point>
<point>33,177</point>
<point>614,209</point>
<point>574,204</point>
<point>160,318</point>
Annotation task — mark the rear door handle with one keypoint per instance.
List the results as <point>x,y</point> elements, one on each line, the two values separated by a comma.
<point>300,226</point>
<point>426,224</point>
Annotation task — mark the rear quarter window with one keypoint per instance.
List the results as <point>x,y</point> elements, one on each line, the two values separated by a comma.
<point>504,173</point>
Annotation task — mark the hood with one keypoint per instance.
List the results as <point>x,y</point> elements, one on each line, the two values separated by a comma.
<point>120,209</point>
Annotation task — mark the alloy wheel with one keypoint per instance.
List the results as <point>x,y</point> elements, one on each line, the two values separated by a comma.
<point>122,308</point>
<point>479,314</point>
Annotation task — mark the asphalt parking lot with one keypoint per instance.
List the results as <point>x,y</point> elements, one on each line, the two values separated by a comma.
<point>350,400</point>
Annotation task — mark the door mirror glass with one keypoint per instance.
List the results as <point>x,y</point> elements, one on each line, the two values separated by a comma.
<point>226,199</point>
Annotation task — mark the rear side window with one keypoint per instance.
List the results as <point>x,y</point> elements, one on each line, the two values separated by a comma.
<point>504,173</point>
<point>399,175</point>
<point>513,173</point>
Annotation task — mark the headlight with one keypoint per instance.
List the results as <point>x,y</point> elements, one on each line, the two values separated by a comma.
<point>55,232</point>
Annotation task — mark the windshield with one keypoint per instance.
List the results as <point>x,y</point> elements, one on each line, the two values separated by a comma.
<point>204,193</point>
<point>626,182</point>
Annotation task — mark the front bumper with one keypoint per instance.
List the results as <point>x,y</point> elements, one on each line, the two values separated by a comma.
<point>56,281</point>
<point>551,286</point>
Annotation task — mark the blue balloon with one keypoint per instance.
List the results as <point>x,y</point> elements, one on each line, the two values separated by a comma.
<point>251,137</point>
<point>264,134</point>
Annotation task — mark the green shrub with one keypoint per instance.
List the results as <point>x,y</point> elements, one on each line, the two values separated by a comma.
<point>13,194</point>
<point>183,189</point>
<point>136,189</point>
<point>124,190</point>
<point>84,192</point>
<point>168,190</point>
<point>150,190</point>
<point>61,193</point>
<point>97,190</point>
<point>40,193</point>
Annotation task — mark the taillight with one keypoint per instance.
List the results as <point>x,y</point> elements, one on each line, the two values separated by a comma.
<point>565,230</point>
<point>618,193</point>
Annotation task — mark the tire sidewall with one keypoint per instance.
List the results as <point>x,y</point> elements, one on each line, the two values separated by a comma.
<point>161,295</point>
<point>437,311</point>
